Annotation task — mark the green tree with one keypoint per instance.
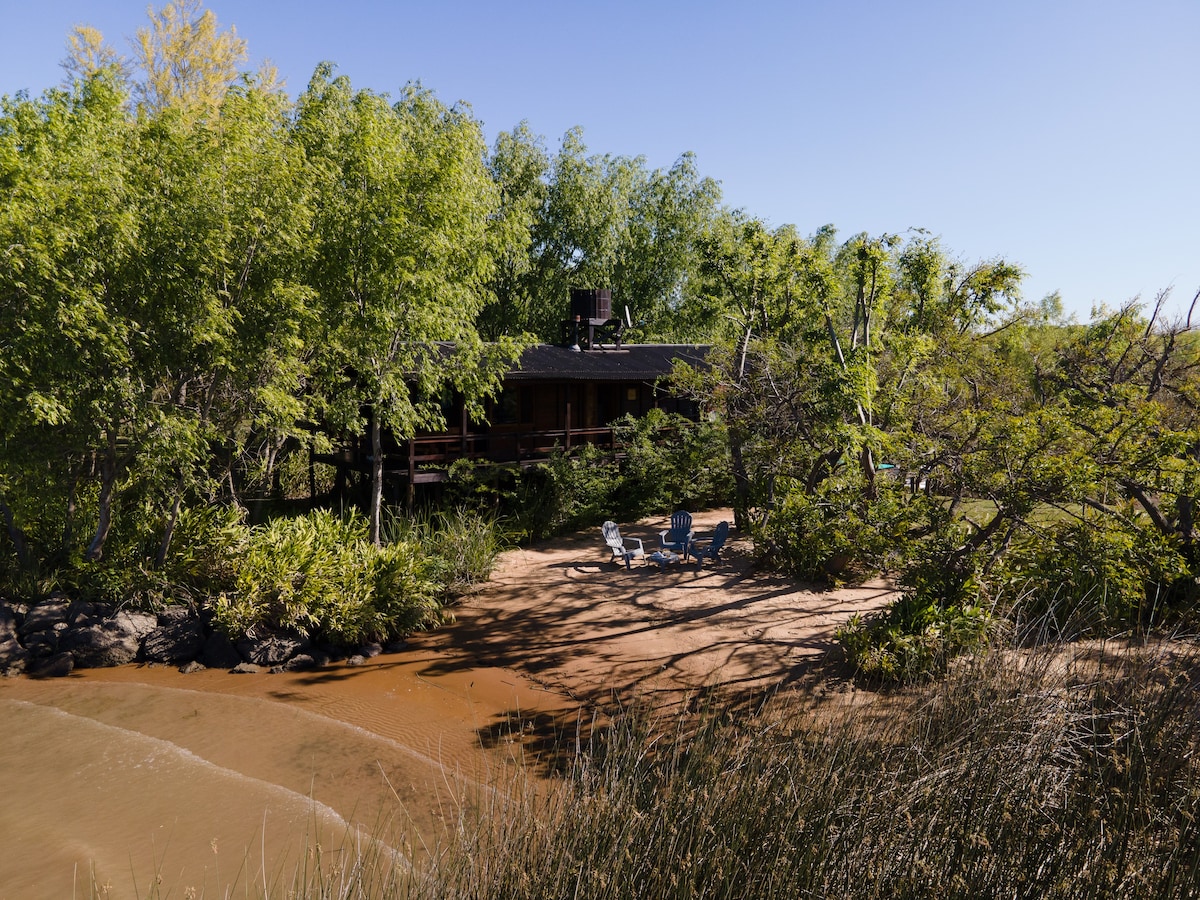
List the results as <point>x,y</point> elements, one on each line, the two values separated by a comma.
<point>403,260</point>
<point>152,305</point>
<point>69,227</point>
<point>185,61</point>
<point>182,60</point>
<point>828,371</point>
<point>598,221</point>
<point>519,166</point>
<point>226,215</point>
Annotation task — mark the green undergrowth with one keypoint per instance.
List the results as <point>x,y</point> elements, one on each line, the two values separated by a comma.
<point>317,573</point>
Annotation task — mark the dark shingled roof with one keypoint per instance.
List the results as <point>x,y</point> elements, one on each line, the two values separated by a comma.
<point>633,362</point>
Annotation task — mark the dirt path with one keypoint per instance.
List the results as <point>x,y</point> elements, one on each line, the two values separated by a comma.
<point>567,617</point>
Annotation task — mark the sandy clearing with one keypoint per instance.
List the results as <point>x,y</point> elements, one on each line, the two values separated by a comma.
<point>564,615</point>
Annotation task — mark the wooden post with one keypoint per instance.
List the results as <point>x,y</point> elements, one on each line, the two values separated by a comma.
<point>568,447</point>
<point>412,473</point>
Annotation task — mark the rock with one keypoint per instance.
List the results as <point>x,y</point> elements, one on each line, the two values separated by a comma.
<point>301,662</point>
<point>46,615</point>
<point>320,658</point>
<point>397,646</point>
<point>245,668</point>
<point>219,652</point>
<point>138,623</point>
<point>58,666</point>
<point>81,611</point>
<point>272,648</point>
<point>8,624</point>
<point>108,642</point>
<point>42,644</point>
<point>13,657</point>
<point>190,667</point>
<point>356,660</point>
<point>370,650</point>
<point>177,638</point>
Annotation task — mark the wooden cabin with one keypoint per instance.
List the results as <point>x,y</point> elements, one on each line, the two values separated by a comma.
<point>557,397</point>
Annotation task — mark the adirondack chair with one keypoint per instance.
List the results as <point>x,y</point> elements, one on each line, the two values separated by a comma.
<point>712,550</point>
<point>612,537</point>
<point>678,538</point>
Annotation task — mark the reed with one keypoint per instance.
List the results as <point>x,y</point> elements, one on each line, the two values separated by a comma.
<point>1034,774</point>
<point>1061,771</point>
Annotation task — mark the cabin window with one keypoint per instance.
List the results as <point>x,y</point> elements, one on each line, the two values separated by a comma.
<point>513,407</point>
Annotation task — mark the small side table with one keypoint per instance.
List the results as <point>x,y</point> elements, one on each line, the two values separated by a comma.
<point>662,557</point>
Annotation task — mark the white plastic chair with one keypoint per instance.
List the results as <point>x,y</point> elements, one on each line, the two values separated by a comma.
<point>612,537</point>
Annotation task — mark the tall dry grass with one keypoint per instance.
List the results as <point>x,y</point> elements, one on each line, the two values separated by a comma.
<point>1020,775</point>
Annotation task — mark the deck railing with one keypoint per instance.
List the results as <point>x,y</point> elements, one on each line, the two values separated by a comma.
<point>441,450</point>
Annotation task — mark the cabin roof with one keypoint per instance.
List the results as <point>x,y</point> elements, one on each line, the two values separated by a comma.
<point>633,362</point>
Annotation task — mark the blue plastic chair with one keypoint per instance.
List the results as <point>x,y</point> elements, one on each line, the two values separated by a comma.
<point>678,538</point>
<point>713,549</point>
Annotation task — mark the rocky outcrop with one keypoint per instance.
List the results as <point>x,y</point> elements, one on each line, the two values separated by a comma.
<point>177,638</point>
<point>98,637</point>
<point>58,635</point>
<point>268,647</point>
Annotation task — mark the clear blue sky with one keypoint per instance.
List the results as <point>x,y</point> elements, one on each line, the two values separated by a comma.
<point>1061,134</point>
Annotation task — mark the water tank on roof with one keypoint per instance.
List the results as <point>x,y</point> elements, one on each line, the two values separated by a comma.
<point>589,303</point>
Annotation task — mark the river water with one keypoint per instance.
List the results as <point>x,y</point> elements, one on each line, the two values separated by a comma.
<point>119,782</point>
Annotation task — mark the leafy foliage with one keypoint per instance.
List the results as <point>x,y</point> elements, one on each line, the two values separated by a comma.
<point>320,574</point>
<point>663,462</point>
<point>915,638</point>
<point>1092,577</point>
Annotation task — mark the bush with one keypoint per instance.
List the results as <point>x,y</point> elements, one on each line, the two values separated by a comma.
<point>838,536</point>
<point>567,491</point>
<point>1090,578</point>
<point>914,638</point>
<point>666,462</point>
<point>670,463</point>
<point>321,575</point>
<point>204,550</point>
<point>464,542</point>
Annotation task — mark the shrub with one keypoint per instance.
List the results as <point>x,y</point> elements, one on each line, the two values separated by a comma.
<point>464,542</point>
<point>207,543</point>
<point>836,535</point>
<point>1090,577</point>
<point>567,491</point>
<point>666,462</point>
<point>319,574</point>
<point>914,638</point>
<point>670,463</point>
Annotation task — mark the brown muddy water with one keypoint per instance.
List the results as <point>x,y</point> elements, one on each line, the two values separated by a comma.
<point>122,782</point>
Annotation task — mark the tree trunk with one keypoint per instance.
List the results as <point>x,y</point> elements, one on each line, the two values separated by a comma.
<point>741,483</point>
<point>376,479</point>
<point>15,535</point>
<point>169,531</point>
<point>108,482</point>
<point>867,461</point>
